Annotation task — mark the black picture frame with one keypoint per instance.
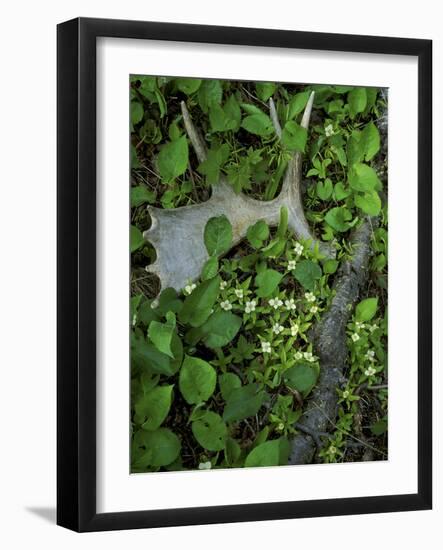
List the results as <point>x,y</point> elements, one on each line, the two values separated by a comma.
<point>76,264</point>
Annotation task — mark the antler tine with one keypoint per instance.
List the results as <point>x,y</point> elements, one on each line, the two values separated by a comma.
<point>194,135</point>
<point>274,117</point>
<point>307,113</point>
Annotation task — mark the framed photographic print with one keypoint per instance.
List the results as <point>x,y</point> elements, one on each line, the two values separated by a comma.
<point>225,198</point>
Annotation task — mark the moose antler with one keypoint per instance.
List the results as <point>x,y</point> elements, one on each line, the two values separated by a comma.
<point>177,234</point>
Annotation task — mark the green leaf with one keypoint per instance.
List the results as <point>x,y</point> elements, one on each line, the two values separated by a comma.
<point>210,431</point>
<point>136,112</point>
<point>153,407</point>
<point>330,266</point>
<point>340,192</point>
<point>257,233</point>
<point>198,305</point>
<point>370,203</point>
<point>227,117</point>
<point>283,223</point>
<point>216,158</point>
<point>354,148</point>
<point>137,240</point>
<point>264,90</point>
<point>243,402</point>
<point>324,189</point>
<point>259,124</point>
<point>294,136</point>
<point>147,357</point>
<point>220,329</point>
<point>232,451</point>
<point>210,269</point>
<point>188,85</point>
<point>338,218</point>
<point>218,235</point>
<point>380,427</point>
<point>370,139</point>
<point>301,378</point>
<point>209,93</point>
<point>297,104</point>
<point>228,382</point>
<point>163,445</point>
<point>267,281</point>
<point>269,453</point>
<point>197,380</point>
<point>140,195</point>
<point>160,334</point>
<point>363,178</point>
<point>307,272</point>
<point>357,101</point>
<point>168,301</point>
<point>173,159</point>
<point>366,309</point>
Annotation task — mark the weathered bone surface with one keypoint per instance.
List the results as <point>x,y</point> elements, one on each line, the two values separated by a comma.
<point>177,234</point>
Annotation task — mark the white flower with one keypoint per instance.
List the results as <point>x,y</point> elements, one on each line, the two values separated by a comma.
<point>308,356</point>
<point>205,465</point>
<point>290,304</point>
<point>372,328</point>
<point>298,249</point>
<point>370,354</point>
<point>239,292</point>
<point>291,265</point>
<point>370,371</point>
<point>298,355</point>
<point>277,328</point>
<point>250,306</point>
<point>309,297</point>
<point>275,303</point>
<point>226,305</point>
<point>190,288</point>
<point>266,347</point>
<point>332,450</point>
<point>329,130</point>
<point>223,285</point>
<point>345,394</point>
<point>294,330</point>
<point>355,337</point>
<point>359,325</point>
<point>314,309</point>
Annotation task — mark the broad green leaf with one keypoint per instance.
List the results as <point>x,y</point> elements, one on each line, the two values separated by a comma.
<point>160,334</point>
<point>232,451</point>
<point>173,159</point>
<point>324,189</point>
<point>264,90</point>
<point>140,195</point>
<point>153,407</point>
<point>370,139</point>
<point>243,402</point>
<point>228,382</point>
<point>297,104</point>
<point>357,101</point>
<point>168,301</point>
<point>225,118</point>
<point>215,160</point>
<point>188,85</point>
<point>370,203</point>
<point>340,192</point>
<point>269,453</point>
<point>294,136</point>
<point>146,356</point>
<point>148,85</point>
<point>257,233</point>
<point>197,380</point>
<point>198,305</point>
<point>218,235</point>
<point>259,124</point>
<point>380,427</point>
<point>210,269</point>
<point>301,378</point>
<point>163,445</point>
<point>220,329</point>
<point>307,273</point>
<point>210,431</point>
<point>338,218</point>
<point>209,93</point>
<point>267,281</point>
<point>363,178</point>
<point>366,309</point>
<point>137,240</point>
<point>239,175</point>
<point>136,112</point>
<point>355,148</point>
<point>330,266</point>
